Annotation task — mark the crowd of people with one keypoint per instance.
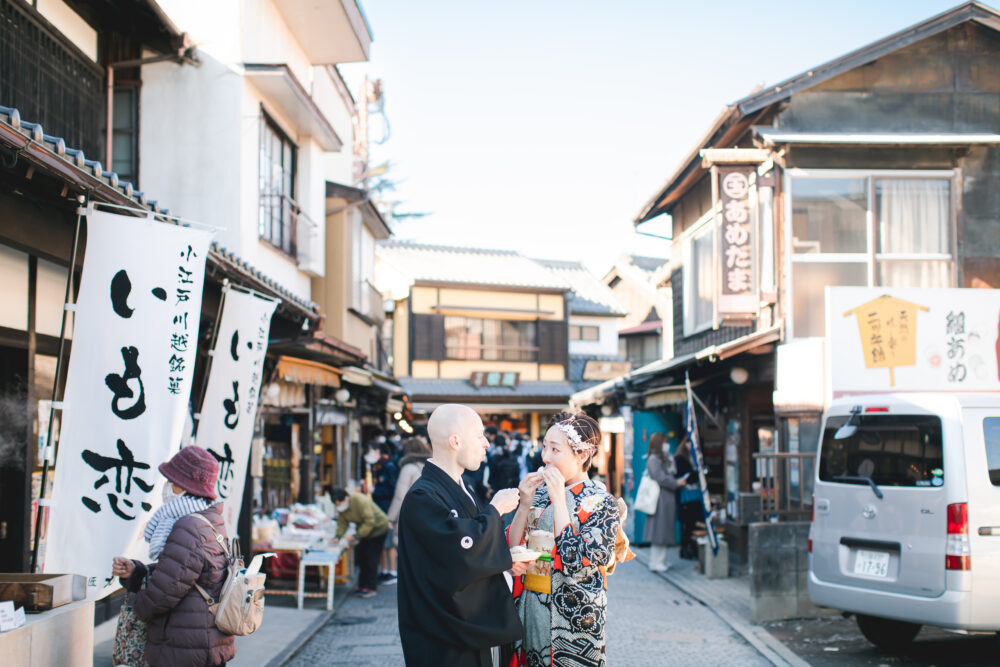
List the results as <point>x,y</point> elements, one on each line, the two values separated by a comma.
<point>467,597</point>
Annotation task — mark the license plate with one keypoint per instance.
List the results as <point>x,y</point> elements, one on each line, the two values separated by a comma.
<point>871,563</point>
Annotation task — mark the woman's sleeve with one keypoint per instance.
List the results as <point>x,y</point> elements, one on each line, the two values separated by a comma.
<point>594,543</point>
<point>175,574</point>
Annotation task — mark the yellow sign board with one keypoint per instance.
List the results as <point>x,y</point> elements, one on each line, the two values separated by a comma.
<point>888,329</point>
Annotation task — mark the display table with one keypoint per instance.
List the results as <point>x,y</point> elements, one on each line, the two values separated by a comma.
<point>327,559</point>
<point>63,636</point>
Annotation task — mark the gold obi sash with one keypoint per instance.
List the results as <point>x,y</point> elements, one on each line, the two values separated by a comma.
<point>538,583</point>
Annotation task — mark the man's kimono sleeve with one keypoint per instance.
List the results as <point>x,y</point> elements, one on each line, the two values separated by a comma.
<point>457,551</point>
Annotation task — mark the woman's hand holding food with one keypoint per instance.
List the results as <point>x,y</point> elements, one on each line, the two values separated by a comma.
<point>556,485</point>
<point>526,489</point>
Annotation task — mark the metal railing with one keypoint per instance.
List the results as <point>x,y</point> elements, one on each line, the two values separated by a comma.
<point>49,80</point>
<point>284,225</point>
<point>786,480</point>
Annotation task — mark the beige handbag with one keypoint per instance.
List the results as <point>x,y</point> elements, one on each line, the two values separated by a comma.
<point>240,607</point>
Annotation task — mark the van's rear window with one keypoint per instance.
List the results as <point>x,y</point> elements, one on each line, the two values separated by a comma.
<point>891,450</point>
<point>991,438</point>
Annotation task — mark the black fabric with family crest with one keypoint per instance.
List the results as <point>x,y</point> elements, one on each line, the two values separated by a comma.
<point>454,603</point>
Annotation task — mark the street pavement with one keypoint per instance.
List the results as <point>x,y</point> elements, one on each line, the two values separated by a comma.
<point>836,640</point>
<point>650,622</point>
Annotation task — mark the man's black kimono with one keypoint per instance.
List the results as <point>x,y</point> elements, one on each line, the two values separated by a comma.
<point>454,603</point>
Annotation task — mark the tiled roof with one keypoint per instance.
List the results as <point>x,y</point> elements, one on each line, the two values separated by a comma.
<point>649,264</point>
<point>590,296</point>
<point>420,389</point>
<point>76,160</point>
<point>472,266</point>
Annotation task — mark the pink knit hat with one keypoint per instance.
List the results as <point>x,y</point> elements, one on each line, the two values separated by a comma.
<point>193,469</point>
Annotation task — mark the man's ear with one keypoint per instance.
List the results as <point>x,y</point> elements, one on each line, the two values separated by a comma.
<point>454,442</point>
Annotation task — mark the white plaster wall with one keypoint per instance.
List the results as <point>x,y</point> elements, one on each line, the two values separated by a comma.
<point>70,24</point>
<point>189,143</point>
<point>607,345</point>
<point>339,166</point>
<point>213,26</point>
<point>266,39</point>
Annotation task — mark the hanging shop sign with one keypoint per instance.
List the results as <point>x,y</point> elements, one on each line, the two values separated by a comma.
<point>228,412</point>
<point>885,339</point>
<point>737,291</point>
<point>127,388</point>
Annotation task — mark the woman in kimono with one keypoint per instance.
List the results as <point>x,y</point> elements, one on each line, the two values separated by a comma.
<point>562,602</point>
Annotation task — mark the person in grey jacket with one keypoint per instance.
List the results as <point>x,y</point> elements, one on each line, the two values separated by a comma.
<point>659,529</point>
<point>180,629</point>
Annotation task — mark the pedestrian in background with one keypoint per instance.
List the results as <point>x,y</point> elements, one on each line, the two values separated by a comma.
<point>689,507</point>
<point>182,537</point>
<point>372,525</point>
<point>661,529</point>
<point>416,451</point>
<point>385,475</point>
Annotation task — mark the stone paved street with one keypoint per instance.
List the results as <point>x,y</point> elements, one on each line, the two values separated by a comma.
<point>650,623</point>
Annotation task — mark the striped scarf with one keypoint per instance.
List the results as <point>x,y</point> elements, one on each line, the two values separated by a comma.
<point>162,522</point>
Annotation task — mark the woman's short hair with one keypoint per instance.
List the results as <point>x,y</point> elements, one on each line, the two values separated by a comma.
<point>585,425</point>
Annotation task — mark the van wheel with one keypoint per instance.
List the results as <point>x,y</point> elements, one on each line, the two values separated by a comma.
<point>886,633</point>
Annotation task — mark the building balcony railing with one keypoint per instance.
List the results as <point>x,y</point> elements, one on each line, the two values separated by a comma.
<point>284,225</point>
<point>368,303</point>
<point>49,80</point>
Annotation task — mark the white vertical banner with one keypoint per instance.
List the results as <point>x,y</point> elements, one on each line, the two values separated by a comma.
<point>225,427</point>
<point>127,388</point>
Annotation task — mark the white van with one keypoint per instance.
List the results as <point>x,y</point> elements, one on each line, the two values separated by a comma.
<point>906,513</point>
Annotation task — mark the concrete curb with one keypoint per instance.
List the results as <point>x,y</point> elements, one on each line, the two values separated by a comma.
<point>763,641</point>
<point>318,623</point>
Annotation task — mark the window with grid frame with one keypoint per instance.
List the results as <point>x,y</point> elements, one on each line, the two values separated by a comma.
<point>490,340</point>
<point>276,220</point>
<point>851,228</point>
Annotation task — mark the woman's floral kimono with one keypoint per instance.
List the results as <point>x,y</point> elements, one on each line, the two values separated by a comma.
<point>566,626</point>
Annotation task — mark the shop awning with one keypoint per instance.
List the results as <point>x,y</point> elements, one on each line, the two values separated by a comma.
<point>740,345</point>
<point>355,375</point>
<point>303,371</point>
<point>673,395</point>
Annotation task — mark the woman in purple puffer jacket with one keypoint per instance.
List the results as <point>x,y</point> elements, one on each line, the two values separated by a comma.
<point>181,630</point>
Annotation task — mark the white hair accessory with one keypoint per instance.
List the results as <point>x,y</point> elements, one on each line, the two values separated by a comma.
<point>576,442</point>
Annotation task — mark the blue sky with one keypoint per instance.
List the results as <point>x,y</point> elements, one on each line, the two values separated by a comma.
<point>545,126</point>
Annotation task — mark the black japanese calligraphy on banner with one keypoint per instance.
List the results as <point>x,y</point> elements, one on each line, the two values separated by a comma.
<point>127,388</point>
<point>225,427</point>
<point>737,288</point>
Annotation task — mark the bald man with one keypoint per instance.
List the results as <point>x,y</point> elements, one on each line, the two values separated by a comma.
<point>454,603</point>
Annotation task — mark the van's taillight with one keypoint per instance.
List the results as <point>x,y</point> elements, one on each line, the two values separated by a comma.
<point>957,547</point>
<point>877,409</point>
